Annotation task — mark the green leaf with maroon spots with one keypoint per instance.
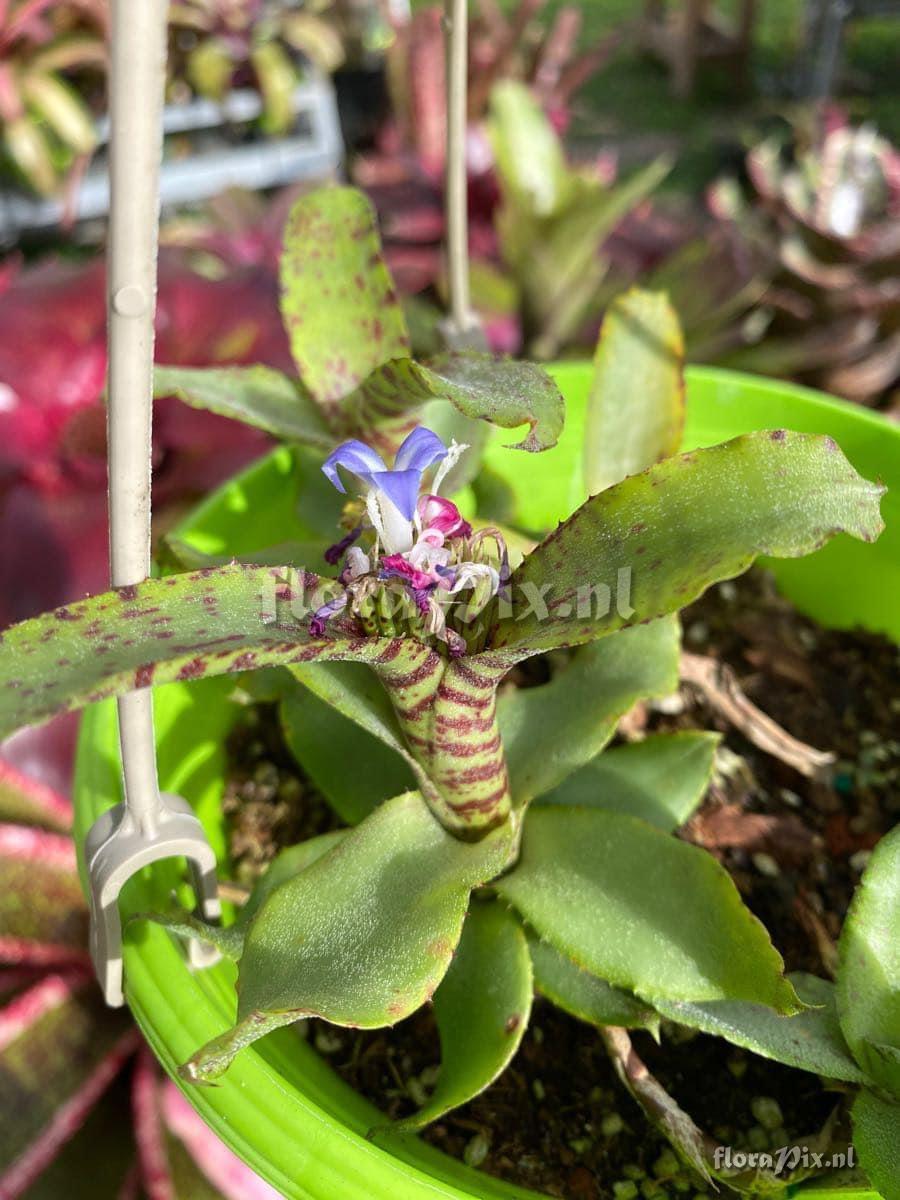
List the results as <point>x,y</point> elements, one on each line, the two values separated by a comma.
<point>209,622</point>
<point>365,934</point>
<point>338,301</point>
<point>657,540</point>
<point>481,1007</point>
<point>635,413</point>
<point>479,386</point>
<point>642,910</point>
<point>868,980</point>
<point>552,730</point>
<point>257,396</point>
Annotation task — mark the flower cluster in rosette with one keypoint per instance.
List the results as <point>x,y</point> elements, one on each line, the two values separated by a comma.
<point>424,572</point>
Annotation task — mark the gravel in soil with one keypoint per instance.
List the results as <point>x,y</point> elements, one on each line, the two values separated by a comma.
<point>558,1121</point>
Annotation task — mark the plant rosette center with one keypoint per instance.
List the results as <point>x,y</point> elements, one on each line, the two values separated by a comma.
<point>421,571</point>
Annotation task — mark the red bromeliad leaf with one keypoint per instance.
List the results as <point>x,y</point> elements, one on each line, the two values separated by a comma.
<point>59,1051</point>
<point>43,917</point>
<point>44,753</point>
<point>338,300</point>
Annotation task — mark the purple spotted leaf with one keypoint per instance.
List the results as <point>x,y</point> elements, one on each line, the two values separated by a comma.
<point>338,301</point>
<point>479,386</point>
<point>208,622</point>
<point>363,935</point>
<point>257,396</point>
<point>654,542</point>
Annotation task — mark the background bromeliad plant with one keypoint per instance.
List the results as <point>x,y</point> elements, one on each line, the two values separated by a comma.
<point>819,217</point>
<point>525,855</point>
<point>73,1074</point>
<point>44,121</point>
<point>221,44</point>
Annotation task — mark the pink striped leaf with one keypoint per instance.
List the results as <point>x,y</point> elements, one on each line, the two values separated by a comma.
<point>25,800</point>
<point>59,1052</point>
<point>43,916</point>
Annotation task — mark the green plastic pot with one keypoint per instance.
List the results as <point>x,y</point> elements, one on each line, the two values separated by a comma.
<point>280,1107</point>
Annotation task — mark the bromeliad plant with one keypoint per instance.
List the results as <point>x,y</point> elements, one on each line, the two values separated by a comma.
<point>62,1051</point>
<point>221,44</point>
<point>44,123</point>
<point>515,855</point>
<point>821,220</point>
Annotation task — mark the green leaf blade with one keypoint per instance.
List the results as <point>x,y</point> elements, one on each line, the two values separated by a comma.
<point>876,1136</point>
<point>810,1040</point>
<point>642,910</point>
<point>635,413</point>
<point>362,936</point>
<point>531,162</point>
<point>553,730</point>
<point>868,980</point>
<point>257,396</point>
<point>479,386</point>
<point>661,779</point>
<point>208,622</point>
<point>657,540</point>
<point>338,300</point>
<point>482,1008</point>
<point>583,995</point>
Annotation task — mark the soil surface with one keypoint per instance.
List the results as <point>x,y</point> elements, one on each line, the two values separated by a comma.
<point>558,1120</point>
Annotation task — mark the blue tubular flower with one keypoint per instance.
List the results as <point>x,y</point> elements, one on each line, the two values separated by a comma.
<point>390,495</point>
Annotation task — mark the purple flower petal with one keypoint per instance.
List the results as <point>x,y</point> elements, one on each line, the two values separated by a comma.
<point>335,553</point>
<point>420,450</point>
<point>354,456</point>
<point>322,615</point>
<point>421,597</point>
<point>400,487</point>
